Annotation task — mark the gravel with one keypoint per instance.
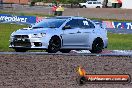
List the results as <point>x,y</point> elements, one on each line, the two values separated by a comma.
<point>59,71</point>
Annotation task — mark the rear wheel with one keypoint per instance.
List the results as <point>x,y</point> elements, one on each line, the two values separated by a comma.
<point>20,50</point>
<point>97,46</point>
<point>83,6</point>
<point>54,45</point>
<point>98,7</point>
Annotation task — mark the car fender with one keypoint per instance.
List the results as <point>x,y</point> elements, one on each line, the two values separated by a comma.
<point>51,33</point>
<point>94,36</point>
<point>51,36</point>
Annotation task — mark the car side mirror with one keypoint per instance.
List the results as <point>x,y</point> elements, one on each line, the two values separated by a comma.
<point>66,27</point>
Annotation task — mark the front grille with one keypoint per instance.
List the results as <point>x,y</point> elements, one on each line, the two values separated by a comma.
<point>21,36</point>
<point>21,40</point>
<point>24,44</point>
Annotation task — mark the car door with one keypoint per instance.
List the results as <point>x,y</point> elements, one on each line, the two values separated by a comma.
<point>89,4</point>
<point>86,29</point>
<point>95,4</point>
<point>70,34</point>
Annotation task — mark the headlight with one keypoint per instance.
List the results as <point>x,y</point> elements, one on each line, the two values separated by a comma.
<point>39,35</point>
<point>12,35</point>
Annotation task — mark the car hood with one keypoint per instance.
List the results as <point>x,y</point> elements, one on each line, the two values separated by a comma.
<point>26,31</point>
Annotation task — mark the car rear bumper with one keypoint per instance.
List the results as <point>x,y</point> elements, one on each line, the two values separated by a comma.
<point>106,43</point>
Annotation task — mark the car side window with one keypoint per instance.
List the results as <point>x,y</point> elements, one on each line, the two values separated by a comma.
<point>89,2</point>
<point>94,2</point>
<point>91,25</point>
<point>98,2</point>
<point>72,23</point>
<point>85,24</point>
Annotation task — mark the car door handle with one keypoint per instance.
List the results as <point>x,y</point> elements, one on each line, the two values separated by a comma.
<point>71,33</point>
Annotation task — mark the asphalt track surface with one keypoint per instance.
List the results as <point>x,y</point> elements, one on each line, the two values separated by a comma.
<point>76,53</point>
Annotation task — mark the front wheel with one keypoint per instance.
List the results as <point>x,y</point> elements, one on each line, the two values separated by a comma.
<point>97,46</point>
<point>54,45</point>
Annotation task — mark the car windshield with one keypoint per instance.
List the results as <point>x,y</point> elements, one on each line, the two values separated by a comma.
<point>49,23</point>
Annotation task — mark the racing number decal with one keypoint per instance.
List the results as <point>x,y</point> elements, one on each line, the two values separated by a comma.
<point>85,23</point>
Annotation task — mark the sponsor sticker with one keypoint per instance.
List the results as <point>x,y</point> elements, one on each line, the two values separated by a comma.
<point>102,78</point>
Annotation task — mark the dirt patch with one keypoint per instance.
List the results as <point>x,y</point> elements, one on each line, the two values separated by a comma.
<point>58,71</point>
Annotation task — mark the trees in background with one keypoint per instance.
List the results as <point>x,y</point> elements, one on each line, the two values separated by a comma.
<point>60,1</point>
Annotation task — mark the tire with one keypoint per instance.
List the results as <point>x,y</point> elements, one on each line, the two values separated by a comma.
<point>65,50</point>
<point>20,50</point>
<point>84,6</point>
<point>54,45</point>
<point>97,46</point>
<point>80,6</point>
<point>98,7</point>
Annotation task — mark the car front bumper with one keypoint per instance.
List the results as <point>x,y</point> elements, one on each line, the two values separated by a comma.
<point>31,43</point>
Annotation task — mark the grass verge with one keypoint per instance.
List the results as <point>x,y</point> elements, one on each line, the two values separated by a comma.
<point>120,41</point>
<point>5,32</point>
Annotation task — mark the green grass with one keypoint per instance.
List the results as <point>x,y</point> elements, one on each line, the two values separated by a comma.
<point>116,41</point>
<point>5,31</point>
<point>120,41</point>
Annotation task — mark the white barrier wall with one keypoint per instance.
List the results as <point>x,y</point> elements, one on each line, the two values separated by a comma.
<point>127,4</point>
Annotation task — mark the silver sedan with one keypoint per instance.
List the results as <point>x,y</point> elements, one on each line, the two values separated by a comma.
<point>63,33</point>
